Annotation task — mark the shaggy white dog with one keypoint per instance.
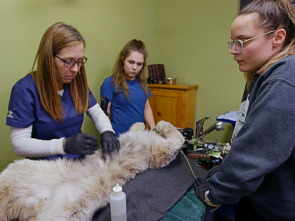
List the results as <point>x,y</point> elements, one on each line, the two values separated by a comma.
<point>74,190</point>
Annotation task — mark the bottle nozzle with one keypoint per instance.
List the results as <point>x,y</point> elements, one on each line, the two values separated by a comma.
<point>117,188</point>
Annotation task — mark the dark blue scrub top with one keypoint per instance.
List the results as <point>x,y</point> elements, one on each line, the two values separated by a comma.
<point>124,113</point>
<point>25,109</point>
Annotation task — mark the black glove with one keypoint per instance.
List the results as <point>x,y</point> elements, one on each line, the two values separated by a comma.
<point>81,144</point>
<point>109,142</point>
<point>201,186</point>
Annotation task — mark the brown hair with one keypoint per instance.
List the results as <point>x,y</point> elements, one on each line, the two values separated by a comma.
<point>119,75</point>
<point>272,15</point>
<point>55,38</point>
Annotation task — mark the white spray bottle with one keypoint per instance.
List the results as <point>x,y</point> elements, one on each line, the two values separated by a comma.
<point>118,204</point>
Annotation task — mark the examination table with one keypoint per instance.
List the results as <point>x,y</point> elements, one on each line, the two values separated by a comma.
<point>164,194</point>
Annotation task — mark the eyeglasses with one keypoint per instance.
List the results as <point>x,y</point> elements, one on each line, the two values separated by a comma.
<point>71,62</point>
<point>239,44</point>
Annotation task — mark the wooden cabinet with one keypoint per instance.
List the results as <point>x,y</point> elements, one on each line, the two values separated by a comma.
<point>174,103</point>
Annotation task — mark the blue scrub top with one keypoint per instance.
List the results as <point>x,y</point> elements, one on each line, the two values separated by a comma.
<point>125,112</point>
<point>25,109</point>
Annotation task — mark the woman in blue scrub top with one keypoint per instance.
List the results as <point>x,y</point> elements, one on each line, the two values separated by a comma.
<point>47,106</point>
<point>127,89</point>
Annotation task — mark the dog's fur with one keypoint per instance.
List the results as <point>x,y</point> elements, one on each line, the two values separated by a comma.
<point>74,190</point>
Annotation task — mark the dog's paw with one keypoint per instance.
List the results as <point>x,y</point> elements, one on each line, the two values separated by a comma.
<point>139,126</point>
<point>164,128</point>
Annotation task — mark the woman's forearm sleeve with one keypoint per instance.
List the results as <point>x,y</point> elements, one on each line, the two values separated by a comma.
<point>25,146</point>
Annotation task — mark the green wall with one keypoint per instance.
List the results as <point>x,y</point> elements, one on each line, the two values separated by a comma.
<point>192,38</point>
<point>105,24</point>
<point>188,36</point>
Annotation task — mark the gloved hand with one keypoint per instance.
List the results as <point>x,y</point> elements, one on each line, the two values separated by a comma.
<point>201,186</point>
<point>81,144</point>
<point>109,143</point>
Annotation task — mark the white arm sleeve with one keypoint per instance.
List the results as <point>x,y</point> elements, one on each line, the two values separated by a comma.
<point>25,146</point>
<point>100,120</point>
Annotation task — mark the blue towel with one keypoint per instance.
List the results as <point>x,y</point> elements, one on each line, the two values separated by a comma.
<point>188,208</point>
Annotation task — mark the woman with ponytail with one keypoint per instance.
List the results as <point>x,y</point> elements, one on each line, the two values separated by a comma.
<point>259,171</point>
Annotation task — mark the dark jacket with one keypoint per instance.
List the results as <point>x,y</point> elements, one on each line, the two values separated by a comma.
<point>261,163</point>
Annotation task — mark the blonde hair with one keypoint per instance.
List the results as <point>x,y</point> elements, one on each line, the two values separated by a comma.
<point>272,15</point>
<point>55,38</point>
<point>119,75</point>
